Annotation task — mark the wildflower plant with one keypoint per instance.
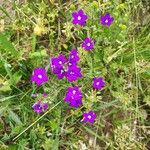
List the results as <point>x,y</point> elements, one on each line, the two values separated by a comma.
<point>74,96</point>
<point>88,74</point>
<point>68,68</point>
<point>63,67</point>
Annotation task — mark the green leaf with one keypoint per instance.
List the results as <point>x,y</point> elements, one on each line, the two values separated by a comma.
<point>6,45</point>
<point>48,143</point>
<point>53,124</point>
<point>56,144</point>
<point>5,88</point>
<point>38,54</point>
<point>7,68</point>
<point>12,147</point>
<point>5,137</point>
<point>14,117</point>
<point>22,145</point>
<point>16,77</point>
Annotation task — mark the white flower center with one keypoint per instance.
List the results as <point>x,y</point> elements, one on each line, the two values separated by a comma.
<point>106,21</point>
<point>97,83</point>
<point>71,72</point>
<point>61,71</point>
<point>70,64</point>
<point>89,116</point>
<point>40,76</point>
<point>88,44</point>
<point>72,56</point>
<point>79,17</point>
<point>60,62</point>
<point>74,91</point>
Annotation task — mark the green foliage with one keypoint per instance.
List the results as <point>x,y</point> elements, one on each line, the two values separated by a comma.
<point>35,31</point>
<point>6,45</point>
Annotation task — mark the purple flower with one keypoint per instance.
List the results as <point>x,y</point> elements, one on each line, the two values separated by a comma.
<point>88,44</point>
<point>57,66</point>
<point>45,94</point>
<point>98,83</point>
<point>73,96</point>
<point>73,56</point>
<point>106,20</point>
<point>57,62</point>
<point>79,17</point>
<point>39,107</point>
<point>39,76</point>
<point>73,73</point>
<point>45,106</point>
<point>61,74</point>
<point>89,117</point>
<point>62,67</point>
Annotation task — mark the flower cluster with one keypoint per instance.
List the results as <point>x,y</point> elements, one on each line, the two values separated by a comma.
<point>63,67</point>
<point>80,18</point>
<point>73,96</point>
<point>68,68</point>
<point>39,107</point>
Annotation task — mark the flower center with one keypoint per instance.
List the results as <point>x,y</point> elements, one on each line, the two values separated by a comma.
<point>106,21</point>
<point>74,91</point>
<point>62,71</point>
<point>89,116</point>
<point>71,72</point>
<point>79,17</point>
<point>88,44</point>
<point>60,62</point>
<point>40,76</point>
<point>97,83</point>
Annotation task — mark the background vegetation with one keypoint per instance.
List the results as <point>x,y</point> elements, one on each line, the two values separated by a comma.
<point>33,31</point>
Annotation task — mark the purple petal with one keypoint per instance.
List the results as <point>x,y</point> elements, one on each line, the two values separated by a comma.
<point>75,21</point>
<point>45,106</point>
<point>74,14</point>
<point>81,12</point>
